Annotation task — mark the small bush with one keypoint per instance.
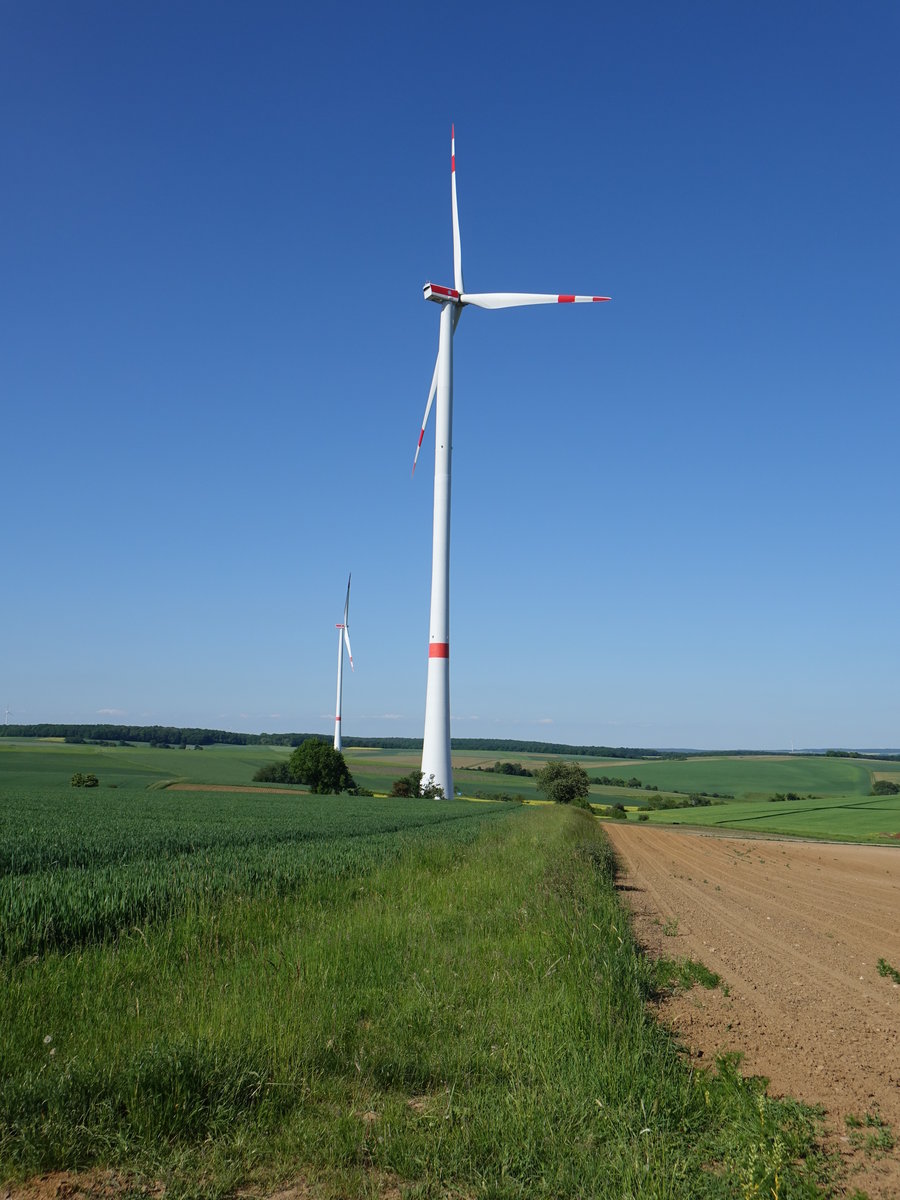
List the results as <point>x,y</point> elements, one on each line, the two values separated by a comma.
<point>885,787</point>
<point>415,786</point>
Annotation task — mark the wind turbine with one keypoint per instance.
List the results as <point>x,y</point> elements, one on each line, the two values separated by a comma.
<point>343,636</point>
<point>436,743</point>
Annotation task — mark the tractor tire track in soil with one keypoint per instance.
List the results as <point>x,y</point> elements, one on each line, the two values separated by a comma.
<point>795,930</point>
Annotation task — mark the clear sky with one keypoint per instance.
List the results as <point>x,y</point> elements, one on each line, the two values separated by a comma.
<point>674,516</point>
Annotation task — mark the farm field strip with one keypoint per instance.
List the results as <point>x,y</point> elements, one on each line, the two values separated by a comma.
<point>854,818</point>
<point>759,776</point>
<point>78,876</point>
<point>89,828</point>
<point>795,930</point>
<point>761,871</point>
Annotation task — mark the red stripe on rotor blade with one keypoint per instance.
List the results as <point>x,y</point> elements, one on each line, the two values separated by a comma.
<point>439,650</point>
<point>421,435</point>
<point>452,163</point>
<point>597,299</point>
<point>565,299</point>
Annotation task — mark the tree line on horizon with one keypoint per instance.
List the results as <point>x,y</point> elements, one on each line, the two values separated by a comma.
<point>173,735</point>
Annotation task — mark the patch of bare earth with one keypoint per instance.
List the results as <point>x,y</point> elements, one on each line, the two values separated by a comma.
<point>80,1185</point>
<point>115,1185</point>
<point>796,931</point>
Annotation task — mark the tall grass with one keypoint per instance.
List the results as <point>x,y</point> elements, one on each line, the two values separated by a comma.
<point>467,1018</point>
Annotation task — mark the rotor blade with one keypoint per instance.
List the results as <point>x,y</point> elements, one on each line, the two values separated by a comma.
<point>515,299</point>
<point>347,644</point>
<point>347,602</point>
<point>431,394</point>
<point>457,248</point>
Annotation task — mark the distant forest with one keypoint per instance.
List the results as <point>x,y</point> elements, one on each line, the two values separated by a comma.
<point>170,735</point>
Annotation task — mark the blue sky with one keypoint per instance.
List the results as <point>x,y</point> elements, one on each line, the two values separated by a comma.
<point>674,516</point>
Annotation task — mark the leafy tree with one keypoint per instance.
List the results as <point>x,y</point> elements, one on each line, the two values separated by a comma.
<point>320,767</point>
<point>510,768</point>
<point>564,782</point>
<point>884,787</point>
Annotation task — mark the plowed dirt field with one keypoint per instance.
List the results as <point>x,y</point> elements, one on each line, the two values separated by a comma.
<point>796,931</point>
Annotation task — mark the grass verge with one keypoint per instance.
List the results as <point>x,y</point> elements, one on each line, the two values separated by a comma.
<point>469,1018</point>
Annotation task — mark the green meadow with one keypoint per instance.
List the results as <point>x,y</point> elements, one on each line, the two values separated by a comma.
<point>38,763</point>
<point>755,777</point>
<point>230,991</point>
<point>853,819</point>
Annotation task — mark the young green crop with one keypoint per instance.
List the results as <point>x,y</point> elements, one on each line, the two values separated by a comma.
<point>72,873</point>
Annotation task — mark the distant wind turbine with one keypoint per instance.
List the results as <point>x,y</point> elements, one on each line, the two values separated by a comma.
<point>343,636</point>
<point>436,760</point>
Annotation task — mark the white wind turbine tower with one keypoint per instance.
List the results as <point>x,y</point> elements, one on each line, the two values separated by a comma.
<point>436,744</point>
<point>343,636</point>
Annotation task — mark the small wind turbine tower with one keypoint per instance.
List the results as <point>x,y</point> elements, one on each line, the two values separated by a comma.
<point>343,636</point>
<point>436,744</point>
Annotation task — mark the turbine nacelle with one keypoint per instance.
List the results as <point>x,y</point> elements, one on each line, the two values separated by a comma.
<point>440,295</point>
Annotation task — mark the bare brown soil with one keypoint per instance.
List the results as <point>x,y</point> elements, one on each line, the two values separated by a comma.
<point>112,1185</point>
<point>94,1184</point>
<point>796,931</point>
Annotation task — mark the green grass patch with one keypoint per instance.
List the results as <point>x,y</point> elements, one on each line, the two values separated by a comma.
<point>887,971</point>
<point>680,974</point>
<point>467,1015</point>
<point>870,1133</point>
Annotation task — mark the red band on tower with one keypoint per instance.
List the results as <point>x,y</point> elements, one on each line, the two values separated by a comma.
<point>439,650</point>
